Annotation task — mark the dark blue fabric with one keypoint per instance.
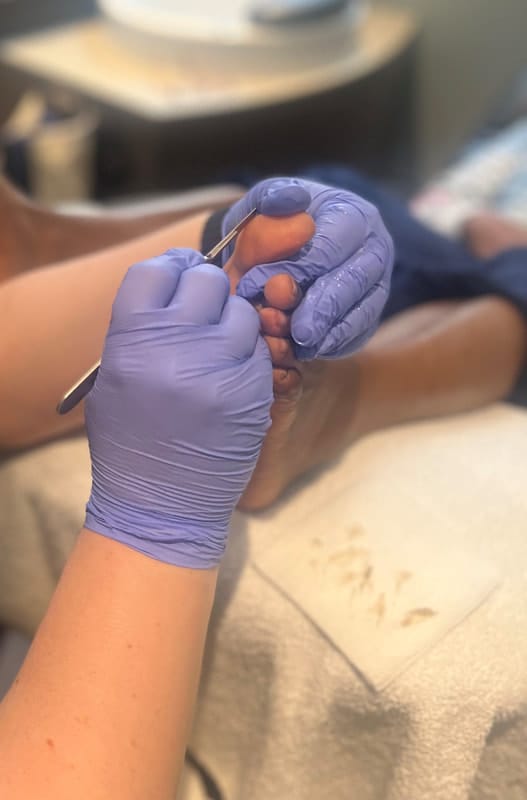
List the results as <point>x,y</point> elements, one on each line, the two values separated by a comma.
<point>429,266</point>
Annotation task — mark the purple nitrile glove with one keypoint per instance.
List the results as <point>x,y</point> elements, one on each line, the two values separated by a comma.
<point>179,411</point>
<point>345,270</point>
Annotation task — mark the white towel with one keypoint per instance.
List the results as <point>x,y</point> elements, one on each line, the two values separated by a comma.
<point>282,714</point>
<point>381,588</point>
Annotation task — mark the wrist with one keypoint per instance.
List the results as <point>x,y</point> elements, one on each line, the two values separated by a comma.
<point>176,539</point>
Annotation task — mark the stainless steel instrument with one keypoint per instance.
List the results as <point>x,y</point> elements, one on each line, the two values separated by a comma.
<point>81,388</point>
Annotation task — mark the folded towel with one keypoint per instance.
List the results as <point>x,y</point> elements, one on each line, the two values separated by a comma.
<point>282,713</point>
<point>381,588</point>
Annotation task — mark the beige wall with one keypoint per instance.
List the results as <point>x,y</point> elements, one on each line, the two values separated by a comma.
<point>470,50</point>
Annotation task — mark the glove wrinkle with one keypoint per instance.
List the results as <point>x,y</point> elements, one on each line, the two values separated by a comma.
<point>178,413</point>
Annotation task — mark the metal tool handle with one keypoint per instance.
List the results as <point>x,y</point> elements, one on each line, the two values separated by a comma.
<point>85,384</point>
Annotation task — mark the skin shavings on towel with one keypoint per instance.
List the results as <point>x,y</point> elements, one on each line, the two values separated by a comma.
<point>416,616</point>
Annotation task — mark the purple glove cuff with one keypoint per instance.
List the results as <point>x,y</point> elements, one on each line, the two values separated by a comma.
<point>173,541</point>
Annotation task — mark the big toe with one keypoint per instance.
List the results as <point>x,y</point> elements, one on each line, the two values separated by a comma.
<point>267,239</point>
<point>282,292</point>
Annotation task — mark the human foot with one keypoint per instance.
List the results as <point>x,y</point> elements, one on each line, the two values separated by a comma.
<point>487,235</point>
<point>310,421</point>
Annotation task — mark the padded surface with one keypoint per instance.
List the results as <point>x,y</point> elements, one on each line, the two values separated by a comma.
<point>282,713</point>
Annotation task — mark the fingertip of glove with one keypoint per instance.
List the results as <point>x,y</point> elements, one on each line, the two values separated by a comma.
<point>249,288</point>
<point>303,334</point>
<point>283,197</point>
<point>183,254</point>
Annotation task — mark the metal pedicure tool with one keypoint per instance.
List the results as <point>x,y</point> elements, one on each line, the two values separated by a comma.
<point>80,389</point>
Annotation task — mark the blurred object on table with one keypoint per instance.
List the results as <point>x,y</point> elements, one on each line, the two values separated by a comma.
<point>22,16</point>
<point>49,146</point>
<point>167,127</point>
<point>237,37</point>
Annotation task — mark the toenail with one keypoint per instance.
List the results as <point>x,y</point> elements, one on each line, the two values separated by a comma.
<point>293,285</point>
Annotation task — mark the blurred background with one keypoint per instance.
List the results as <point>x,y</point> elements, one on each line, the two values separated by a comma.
<point>111,102</point>
<point>126,98</point>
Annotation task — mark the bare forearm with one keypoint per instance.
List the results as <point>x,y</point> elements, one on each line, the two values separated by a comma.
<point>102,706</point>
<point>53,326</point>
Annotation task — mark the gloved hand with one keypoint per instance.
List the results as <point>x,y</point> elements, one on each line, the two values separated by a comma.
<point>178,413</point>
<point>344,271</point>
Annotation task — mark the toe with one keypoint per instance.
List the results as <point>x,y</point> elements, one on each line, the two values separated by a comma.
<point>287,383</point>
<point>282,354</point>
<point>267,239</point>
<point>274,322</point>
<point>282,292</point>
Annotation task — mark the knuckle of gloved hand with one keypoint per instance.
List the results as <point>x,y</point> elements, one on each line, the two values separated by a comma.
<point>208,396</point>
<point>386,252</point>
<point>141,267</point>
<point>321,197</point>
<point>381,246</point>
<point>158,268</point>
<point>359,276</point>
<point>382,232</point>
<point>368,316</point>
<point>116,364</point>
<point>370,211</point>
<point>373,219</point>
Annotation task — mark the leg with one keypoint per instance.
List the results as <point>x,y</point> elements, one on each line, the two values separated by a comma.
<point>431,358</point>
<point>33,236</point>
<point>426,362</point>
<point>435,359</point>
<point>470,357</point>
<point>54,320</point>
<point>62,312</point>
<point>487,235</point>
